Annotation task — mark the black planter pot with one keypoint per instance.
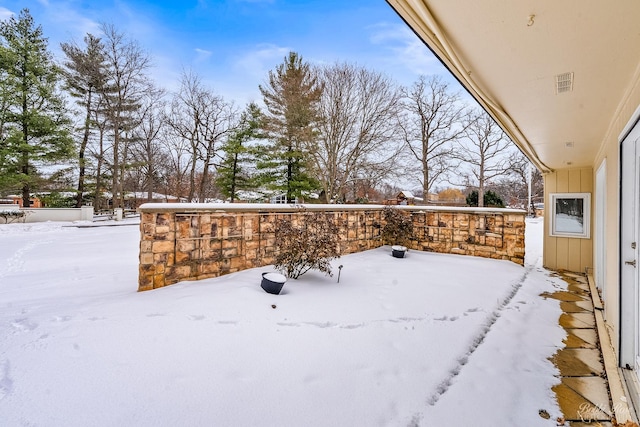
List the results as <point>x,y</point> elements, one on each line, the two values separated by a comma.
<point>272,282</point>
<point>398,251</point>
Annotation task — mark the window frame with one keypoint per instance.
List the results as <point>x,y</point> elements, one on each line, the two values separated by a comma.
<point>586,215</point>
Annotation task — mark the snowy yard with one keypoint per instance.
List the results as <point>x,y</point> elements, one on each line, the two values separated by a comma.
<point>429,340</point>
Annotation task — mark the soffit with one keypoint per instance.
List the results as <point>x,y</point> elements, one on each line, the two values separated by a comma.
<point>508,54</point>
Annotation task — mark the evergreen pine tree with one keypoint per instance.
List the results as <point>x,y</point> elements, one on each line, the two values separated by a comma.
<point>35,128</point>
<point>490,199</point>
<point>232,173</point>
<point>291,97</point>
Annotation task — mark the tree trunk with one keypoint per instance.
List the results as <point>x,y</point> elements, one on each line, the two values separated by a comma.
<point>122,171</point>
<point>97,201</point>
<point>115,201</point>
<point>481,186</point>
<point>203,184</point>
<point>150,183</point>
<point>81,152</point>
<point>289,175</point>
<point>203,181</point>
<point>425,184</point>
<point>192,173</point>
<point>26,190</point>
<point>233,177</point>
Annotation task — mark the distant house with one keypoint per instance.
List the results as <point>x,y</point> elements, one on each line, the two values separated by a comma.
<point>270,196</point>
<point>278,198</point>
<point>260,196</point>
<point>34,202</point>
<point>406,197</point>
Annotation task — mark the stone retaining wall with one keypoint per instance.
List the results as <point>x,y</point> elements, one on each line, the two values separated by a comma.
<point>197,241</point>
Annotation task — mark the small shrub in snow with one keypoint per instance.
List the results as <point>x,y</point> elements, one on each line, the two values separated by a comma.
<point>397,228</point>
<point>12,215</point>
<point>310,244</point>
<point>490,198</point>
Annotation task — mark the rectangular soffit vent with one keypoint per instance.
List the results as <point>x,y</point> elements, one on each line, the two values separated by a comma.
<point>564,83</point>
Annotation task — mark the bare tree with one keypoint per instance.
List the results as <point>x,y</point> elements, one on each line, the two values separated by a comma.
<point>175,169</point>
<point>184,120</point>
<point>357,130</point>
<point>484,149</point>
<point>219,118</point>
<point>148,150</point>
<point>202,118</point>
<point>127,83</point>
<point>388,191</point>
<point>431,122</point>
<point>515,185</point>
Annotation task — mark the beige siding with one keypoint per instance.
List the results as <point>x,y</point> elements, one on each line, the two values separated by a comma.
<point>567,253</point>
<point>610,150</point>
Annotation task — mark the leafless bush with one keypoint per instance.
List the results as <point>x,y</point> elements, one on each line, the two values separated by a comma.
<point>397,228</point>
<point>310,244</point>
<point>13,215</point>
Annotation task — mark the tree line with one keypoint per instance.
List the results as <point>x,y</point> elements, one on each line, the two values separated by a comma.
<point>95,123</point>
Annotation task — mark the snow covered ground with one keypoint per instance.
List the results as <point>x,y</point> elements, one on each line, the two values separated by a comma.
<point>428,340</point>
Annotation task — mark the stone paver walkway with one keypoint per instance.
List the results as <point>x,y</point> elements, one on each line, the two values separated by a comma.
<point>583,394</point>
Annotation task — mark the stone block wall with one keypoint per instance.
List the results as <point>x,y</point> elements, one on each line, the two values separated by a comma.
<point>498,235</point>
<point>191,242</point>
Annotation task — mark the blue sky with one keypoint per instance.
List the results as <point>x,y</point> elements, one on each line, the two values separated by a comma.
<point>232,44</point>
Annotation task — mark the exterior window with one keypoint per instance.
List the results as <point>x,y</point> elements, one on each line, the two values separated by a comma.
<point>570,215</point>
<point>282,198</point>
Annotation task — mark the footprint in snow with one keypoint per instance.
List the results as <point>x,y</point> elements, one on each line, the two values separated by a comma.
<point>195,317</point>
<point>288,324</point>
<point>23,325</point>
<point>443,318</point>
<point>354,326</point>
<point>15,263</point>
<point>6,384</point>
<point>322,324</point>
<point>477,341</point>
